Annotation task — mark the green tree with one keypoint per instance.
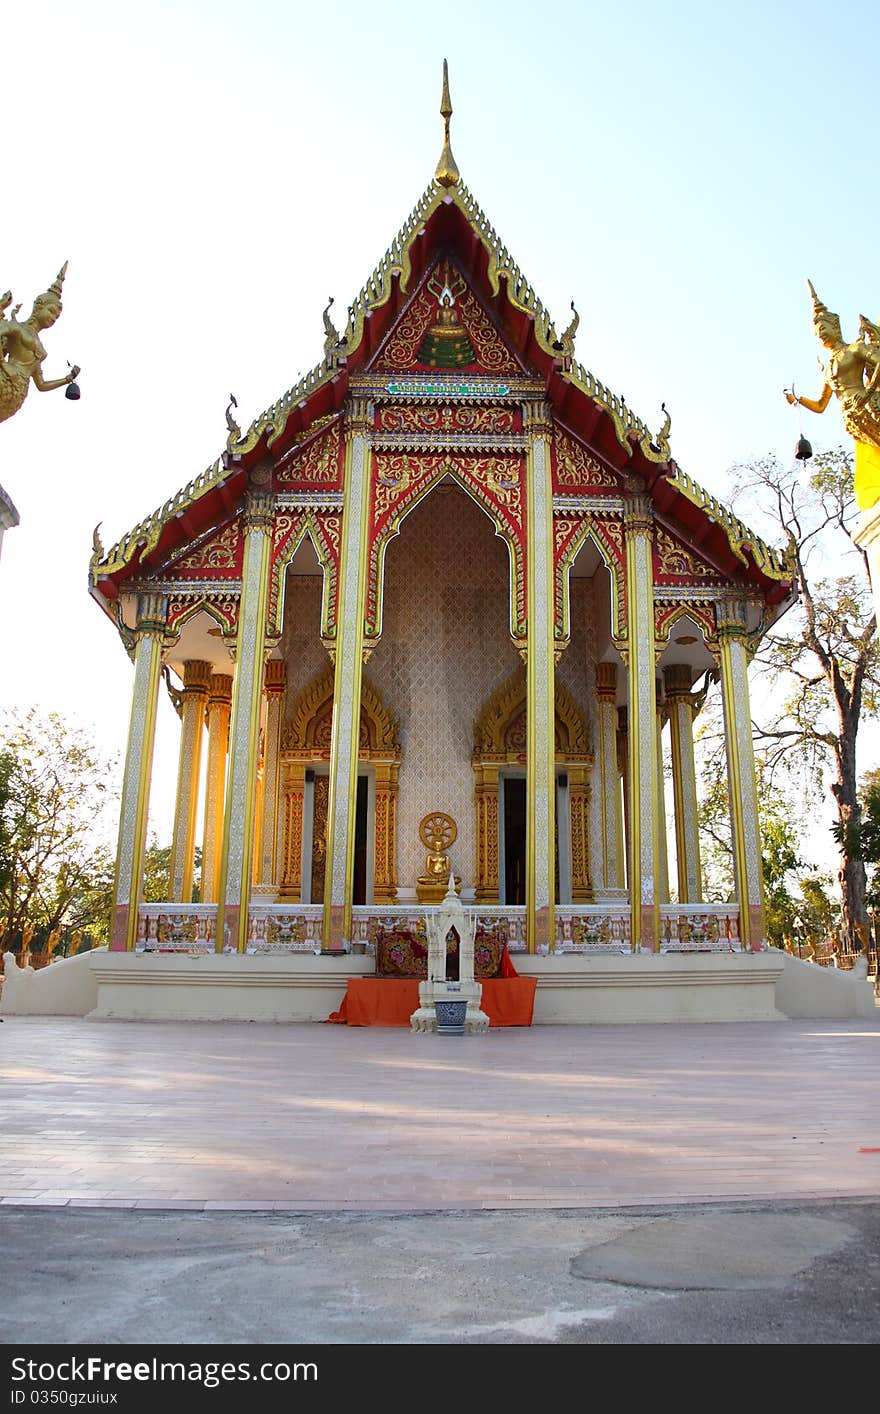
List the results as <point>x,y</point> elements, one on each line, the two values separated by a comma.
<point>819,914</point>
<point>157,873</point>
<point>781,830</point>
<point>780,863</point>
<point>56,814</point>
<point>820,660</point>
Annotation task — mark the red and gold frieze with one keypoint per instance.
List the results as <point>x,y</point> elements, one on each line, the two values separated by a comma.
<point>576,469</point>
<point>324,529</point>
<point>401,480</point>
<point>223,608</point>
<point>699,612</point>
<point>447,420</point>
<point>445,326</point>
<point>675,563</point>
<point>569,534</point>
<point>319,464</point>
<point>219,556</point>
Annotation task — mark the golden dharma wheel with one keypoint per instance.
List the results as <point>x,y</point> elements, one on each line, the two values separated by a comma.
<point>438,831</point>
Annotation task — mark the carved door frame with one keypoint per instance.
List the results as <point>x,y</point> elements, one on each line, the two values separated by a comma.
<point>305,745</point>
<point>499,746</point>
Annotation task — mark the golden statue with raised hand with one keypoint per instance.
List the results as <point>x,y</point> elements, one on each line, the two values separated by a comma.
<point>852,374</point>
<point>437,832</point>
<point>22,353</point>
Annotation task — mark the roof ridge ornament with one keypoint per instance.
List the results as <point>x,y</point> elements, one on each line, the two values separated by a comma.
<point>234,433</point>
<point>447,173</point>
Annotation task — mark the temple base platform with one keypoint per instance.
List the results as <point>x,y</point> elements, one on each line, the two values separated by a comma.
<point>572,990</point>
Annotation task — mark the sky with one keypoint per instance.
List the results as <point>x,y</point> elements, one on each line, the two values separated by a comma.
<point>212,172</point>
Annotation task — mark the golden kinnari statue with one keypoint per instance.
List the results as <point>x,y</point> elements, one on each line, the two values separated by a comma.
<point>436,832</point>
<point>22,353</point>
<point>852,374</point>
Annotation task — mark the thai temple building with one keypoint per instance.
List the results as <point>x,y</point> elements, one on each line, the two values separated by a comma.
<point>433,619</point>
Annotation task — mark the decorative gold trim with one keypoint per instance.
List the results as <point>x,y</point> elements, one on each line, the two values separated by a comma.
<point>196,680</point>
<point>312,528</point>
<point>293,775</point>
<point>507,702</point>
<point>393,529</point>
<point>590,530</point>
<point>383,730</point>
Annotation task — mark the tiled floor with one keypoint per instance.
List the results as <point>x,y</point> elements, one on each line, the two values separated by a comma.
<point>329,1117</point>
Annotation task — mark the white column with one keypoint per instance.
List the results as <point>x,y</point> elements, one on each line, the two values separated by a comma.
<point>745,829</point>
<point>244,733</point>
<point>662,851</point>
<point>219,707</point>
<point>540,685</point>
<point>276,674</point>
<point>677,682</point>
<point>196,677</point>
<point>149,631</point>
<point>642,795</point>
<point>345,734</point>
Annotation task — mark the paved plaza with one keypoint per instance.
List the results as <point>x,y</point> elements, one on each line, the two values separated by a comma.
<point>254,1184</point>
<point>332,1117</point>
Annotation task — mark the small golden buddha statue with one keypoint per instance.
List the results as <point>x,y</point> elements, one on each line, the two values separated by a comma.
<point>446,343</point>
<point>437,832</point>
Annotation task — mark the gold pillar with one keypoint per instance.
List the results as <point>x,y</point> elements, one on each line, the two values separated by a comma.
<point>579,810</point>
<point>385,833</point>
<point>623,798</point>
<point>238,818</point>
<point>258,811</point>
<point>273,688</point>
<point>677,683</point>
<point>196,677</point>
<point>219,706</point>
<point>609,777</point>
<point>745,830</point>
<point>134,807</point>
<point>293,789</point>
<point>643,805</point>
<point>540,685</point>
<point>345,733</point>
<point>486,798</point>
<point>662,849</point>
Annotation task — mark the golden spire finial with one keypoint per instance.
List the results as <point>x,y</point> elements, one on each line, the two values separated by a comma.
<point>447,173</point>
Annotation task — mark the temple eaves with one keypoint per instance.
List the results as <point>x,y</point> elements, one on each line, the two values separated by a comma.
<point>631,432</point>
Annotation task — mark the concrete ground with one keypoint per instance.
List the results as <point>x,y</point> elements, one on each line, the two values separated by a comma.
<point>235,1183</point>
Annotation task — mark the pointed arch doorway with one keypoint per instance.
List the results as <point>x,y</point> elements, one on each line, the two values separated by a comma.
<point>305,765</point>
<point>500,797</point>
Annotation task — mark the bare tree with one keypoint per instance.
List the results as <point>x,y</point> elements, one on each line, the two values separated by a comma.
<point>821,660</point>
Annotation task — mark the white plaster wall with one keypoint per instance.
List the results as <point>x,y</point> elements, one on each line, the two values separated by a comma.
<point>571,990</point>
<point>67,987</point>
<point>806,990</point>
<point>149,987</point>
<point>657,988</point>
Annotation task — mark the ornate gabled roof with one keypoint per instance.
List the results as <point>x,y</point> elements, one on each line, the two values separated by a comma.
<point>445,215</point>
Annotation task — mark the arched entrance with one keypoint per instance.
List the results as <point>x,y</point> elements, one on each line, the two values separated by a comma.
<point>305,761</point>
<point>499,765</point>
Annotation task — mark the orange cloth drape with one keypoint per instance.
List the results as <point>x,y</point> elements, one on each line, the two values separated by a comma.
<point>507,967</point>
<point>387,1001</point>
